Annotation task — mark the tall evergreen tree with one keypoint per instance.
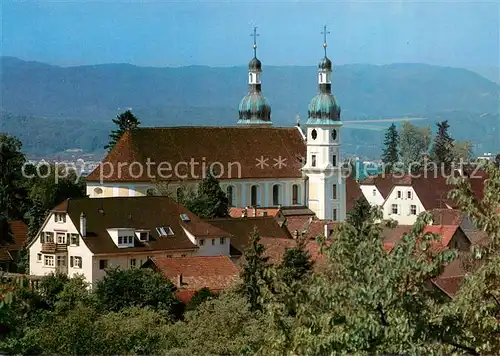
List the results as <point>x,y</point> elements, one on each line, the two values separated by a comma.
<point>360,214</point>
<point>390,154</point>
<point>442,151</point>
<point>125,121</point>
<point>253,274</point>
<point>297,263</point>
<point>210,201</point>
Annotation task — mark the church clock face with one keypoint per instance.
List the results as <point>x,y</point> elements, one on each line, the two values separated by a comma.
<point>334,134</point>
<point>314,134</point>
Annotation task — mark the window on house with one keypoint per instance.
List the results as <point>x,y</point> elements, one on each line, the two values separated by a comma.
<point>164,231</point>
<point>49,261</point>
<point>394,208</point>
<point>334,191</point>
<point>49,237</point>
<point>276,194</point>
<point>229,194</point>
<point>61,261</point>
<point>408,194</point>
<point>399,194</point>
<point>222,240</point>
<point>120,240</point>
<point>413,209</point>
<point>374,192</point>
<point>132,262</point>
<point>183,255</point>
<point>313,161</point>
<point>202,242</point>
<point>144,236</point>
<point>130,239</point>
<point>78,262</point>
<point>334,215</point>
<point>213,242</point>
<point>254,192</point>
<point>103,264</point>
<point>61,238</point>
<point>73,239</point>
<point>60,217</point>
<point>39,257</point>
<point>334,160</point>
<point>295,194</point>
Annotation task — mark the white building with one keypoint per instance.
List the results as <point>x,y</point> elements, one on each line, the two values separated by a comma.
<point>86,236</point>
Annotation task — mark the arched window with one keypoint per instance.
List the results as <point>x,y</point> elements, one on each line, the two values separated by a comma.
<point>254,195</point>
<point>229,194</point>
<point>276,194</point>
<point>180,194</point>
<point>295,194</point>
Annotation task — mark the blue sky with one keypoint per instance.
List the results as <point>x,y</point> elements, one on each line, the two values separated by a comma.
<point>217,33</point>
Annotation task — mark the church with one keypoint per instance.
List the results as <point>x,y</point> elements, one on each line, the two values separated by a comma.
<point>257,164</point>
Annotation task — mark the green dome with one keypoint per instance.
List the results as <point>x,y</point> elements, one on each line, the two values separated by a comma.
<point>255,65</point>
<point>324,106</point>
<point>254,107</point>
<point>325,64</point>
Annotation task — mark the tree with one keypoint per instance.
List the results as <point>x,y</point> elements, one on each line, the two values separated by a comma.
<point>296,264</point>
<point>476,308</point>
<point>462,150</point>
<point>414,142</point>
<point>390,154</point>
<point>210,201</point>
<point>359,214</point>
<point>137,287</point>
<point>11,176</point>
<point>125,121</point>
<point>253,272</point>
<point>234,328</point>
<point>442,151</point>
<point>367,300</point>
<point>199,297</point>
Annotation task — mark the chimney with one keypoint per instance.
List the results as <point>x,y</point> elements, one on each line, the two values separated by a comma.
<point>244,213</point>
<point>296,234</point>
<point>326,230</point>
<point>179,280</point>
<point>264,213</point>
<point>255,211</point>
<point>83,224</point>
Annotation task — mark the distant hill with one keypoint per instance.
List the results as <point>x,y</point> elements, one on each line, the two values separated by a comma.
<point>197,95</point>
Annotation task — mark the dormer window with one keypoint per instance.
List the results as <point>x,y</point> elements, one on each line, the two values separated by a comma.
<point>144,236</point>
<point>164,231</point>
<point>60,217</point>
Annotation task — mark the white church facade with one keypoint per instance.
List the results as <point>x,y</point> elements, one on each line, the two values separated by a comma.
<point>257,165</point>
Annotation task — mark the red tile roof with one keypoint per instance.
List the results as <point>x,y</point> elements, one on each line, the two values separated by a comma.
<point>19,232</point>
<point>146,213</point>
<point>237,145</point>
<point>393,235</point>
<point>213,272</point>
<point>353,193</point>
<point>308,227</point>
<point>275,250</point>
<point>241,228</point>
<point>238,212</point>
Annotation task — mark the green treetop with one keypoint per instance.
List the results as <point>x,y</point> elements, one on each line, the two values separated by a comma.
<point>125,121</point>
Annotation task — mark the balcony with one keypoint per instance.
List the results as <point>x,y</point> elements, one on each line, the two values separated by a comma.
<point>52,247</point>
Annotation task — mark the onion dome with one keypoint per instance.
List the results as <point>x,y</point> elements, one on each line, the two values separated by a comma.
<point>254,108</point>
<point>255,65</point>
<point>325,64</point>
<point>324,106</point>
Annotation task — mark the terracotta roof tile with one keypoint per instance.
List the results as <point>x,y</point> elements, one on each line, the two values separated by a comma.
<point>238,212</point>
<point>19,232</point>
<point>393,235</point>
<point>238,145</point>
<point>139,213</point>
<point>241,228</point>
<point>213,272</point>
<point>308,227</point>
<point>353,193</point>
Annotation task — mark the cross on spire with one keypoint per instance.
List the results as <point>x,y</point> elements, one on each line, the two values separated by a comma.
<point>254,35</point>
<point>324,33</point>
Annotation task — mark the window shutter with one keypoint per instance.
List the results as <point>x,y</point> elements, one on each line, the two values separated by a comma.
<point>71,261</point>
<point>77,240</point>
<point>399,209</point>
<point>42,237</point>
<point>68,239</point>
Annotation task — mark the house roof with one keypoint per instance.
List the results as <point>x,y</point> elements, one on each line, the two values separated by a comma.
<point>393,235</point>
<point>146,213</point>
<point>353,192</point>
<point>19,232</point>
<point>297,211</point>
<point>230,146</point>
<point>213,272</point>
<point>432,189</point>
<point>275,249</point>
<point>308,227</point>
<point>241,229</point>
<point>238,212</point>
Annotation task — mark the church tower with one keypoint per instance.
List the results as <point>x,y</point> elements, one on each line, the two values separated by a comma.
<point>326,182</point>
<point>254,108</point>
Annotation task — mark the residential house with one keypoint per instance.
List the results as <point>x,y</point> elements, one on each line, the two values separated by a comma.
<point>87,236</point>
<point>10,250</point>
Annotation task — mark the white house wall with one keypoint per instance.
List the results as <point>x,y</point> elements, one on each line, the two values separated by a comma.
<point>372,194</point>
<point>404,203</point>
